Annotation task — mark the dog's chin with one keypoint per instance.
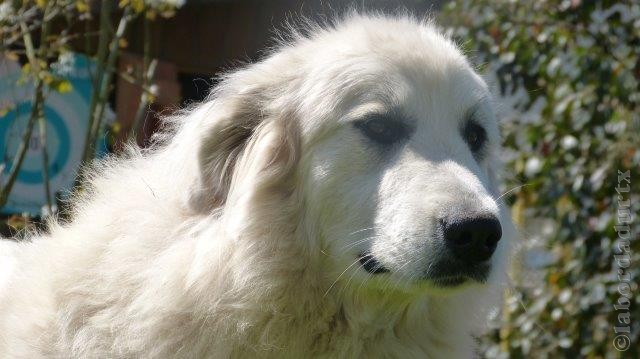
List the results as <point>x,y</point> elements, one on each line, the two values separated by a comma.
<point>449,274</point>
<point>445,276</point>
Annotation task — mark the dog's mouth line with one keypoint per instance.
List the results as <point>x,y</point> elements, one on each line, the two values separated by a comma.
<point>453,280</point>
<point>370,264</point>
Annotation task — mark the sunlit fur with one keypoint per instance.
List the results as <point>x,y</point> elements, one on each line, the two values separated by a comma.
<point>238,234</point>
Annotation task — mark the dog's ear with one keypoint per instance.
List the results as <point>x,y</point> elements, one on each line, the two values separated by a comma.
<point>245,145</point>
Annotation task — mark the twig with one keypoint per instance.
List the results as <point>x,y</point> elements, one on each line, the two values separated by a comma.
<point>45,157</point>
<point>134,81</point>
<point>24,144</point>
<point>148,72</point>
<point>105,86</point>
<point>103,42</point>
<point>35,111</point>
<point>41,119</point>
<point>145,98</point>
<point>27,15</point>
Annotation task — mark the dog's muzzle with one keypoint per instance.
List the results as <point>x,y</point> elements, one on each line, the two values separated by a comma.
<point>469,244</point>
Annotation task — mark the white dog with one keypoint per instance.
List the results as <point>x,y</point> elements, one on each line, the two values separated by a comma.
<point>336,199</point>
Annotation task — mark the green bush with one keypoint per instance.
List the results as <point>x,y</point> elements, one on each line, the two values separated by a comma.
<point>567,77</point>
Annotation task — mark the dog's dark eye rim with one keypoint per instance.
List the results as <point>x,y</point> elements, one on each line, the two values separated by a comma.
<point>474,135</point>
<point>383,129</point>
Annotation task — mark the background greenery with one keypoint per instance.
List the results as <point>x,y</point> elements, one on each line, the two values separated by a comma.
<point>42,35</point>
<point>567,74</point>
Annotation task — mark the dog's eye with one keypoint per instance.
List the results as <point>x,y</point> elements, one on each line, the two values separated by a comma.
<point>383,130</point>
<point>475,136</point>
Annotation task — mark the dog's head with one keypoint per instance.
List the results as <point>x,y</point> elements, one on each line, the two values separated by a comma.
<point>387,141</point>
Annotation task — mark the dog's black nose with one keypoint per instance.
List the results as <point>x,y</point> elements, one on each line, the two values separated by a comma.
<point>472,239</point>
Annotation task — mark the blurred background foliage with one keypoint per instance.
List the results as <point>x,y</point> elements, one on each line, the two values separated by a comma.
<point>42,36</point>
<point>567,75</point>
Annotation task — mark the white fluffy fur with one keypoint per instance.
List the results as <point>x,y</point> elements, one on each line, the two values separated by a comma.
<point>235,236</point>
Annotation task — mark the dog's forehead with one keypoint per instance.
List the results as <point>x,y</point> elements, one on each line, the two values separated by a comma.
<point>416,91</point>
<point>453,96</point>
<point>389,63</point>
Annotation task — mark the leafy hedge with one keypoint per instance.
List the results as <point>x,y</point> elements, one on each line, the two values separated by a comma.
<point>567,74</point>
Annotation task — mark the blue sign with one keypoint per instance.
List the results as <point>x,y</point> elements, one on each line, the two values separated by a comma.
<point>66,117</point>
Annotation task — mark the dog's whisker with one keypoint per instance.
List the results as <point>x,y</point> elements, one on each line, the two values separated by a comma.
<point>369,275</point>
<point>355,272</point>
<point>428,271</point>
<point>389,279</point>
<point>511,190</point>
<point>355,243</point>
<point>512,288</point>
<point>362,230</point>
<point>341,274</point>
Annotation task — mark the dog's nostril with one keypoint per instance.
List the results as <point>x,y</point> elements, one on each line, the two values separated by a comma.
<point>461,239</point>
<point>472,239</point>
<point>491,241</point>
